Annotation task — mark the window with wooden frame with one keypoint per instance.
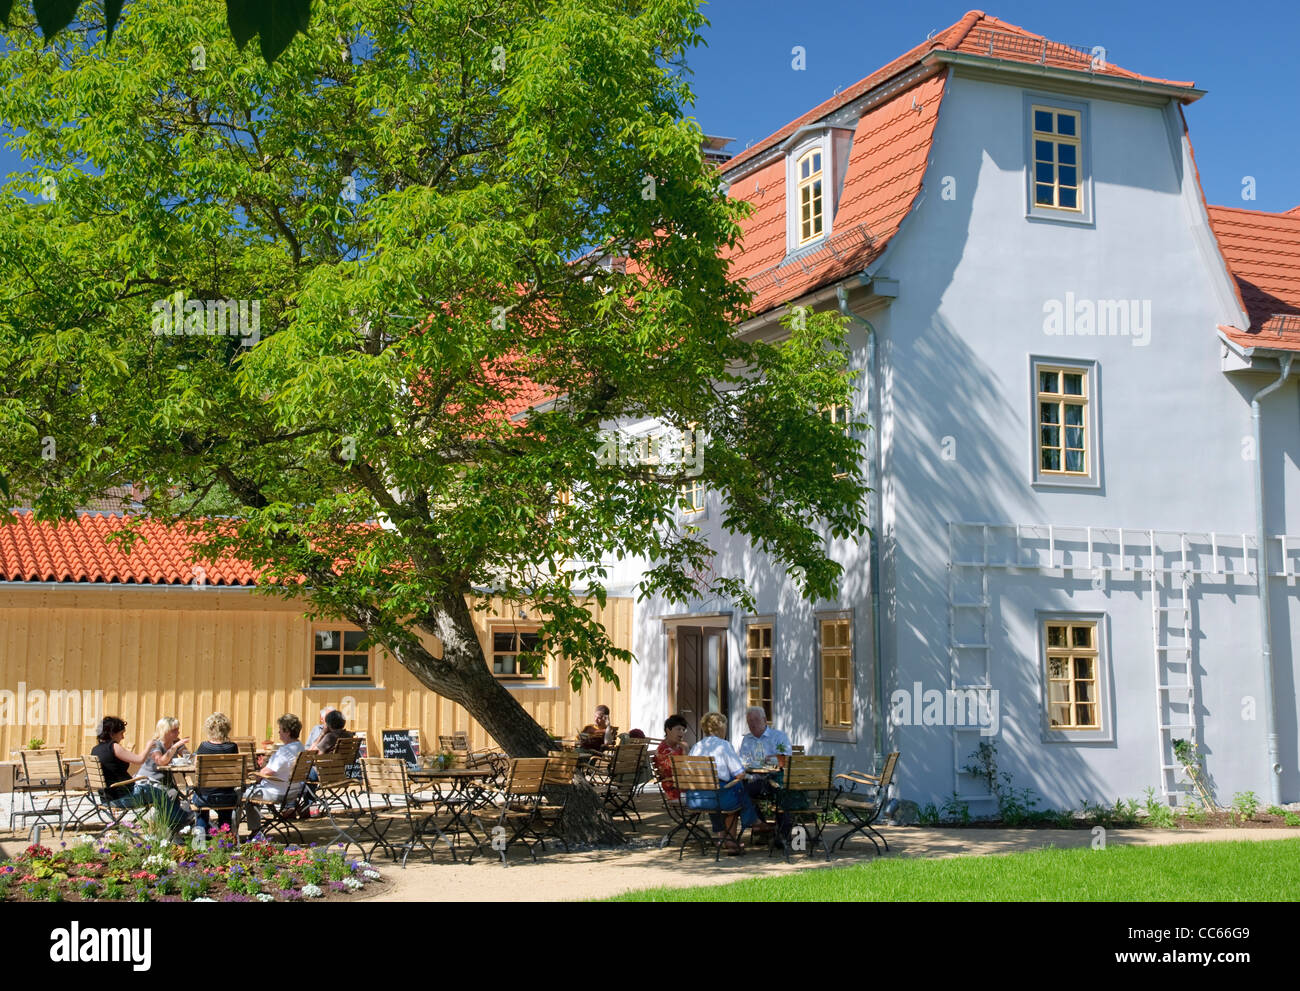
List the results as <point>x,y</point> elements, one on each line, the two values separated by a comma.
<point>692,501</point>
<point>811,201</point>
<point>838,413</point>
<point>1057,143</point>
<point>1063,431</point>
<point>337,656</point>
<point>758,655</point>
<point>835,647</point>
<point>1073,686</point>
<point>516,653</point>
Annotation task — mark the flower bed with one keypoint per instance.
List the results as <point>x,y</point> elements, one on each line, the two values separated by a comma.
<point>131,867</point>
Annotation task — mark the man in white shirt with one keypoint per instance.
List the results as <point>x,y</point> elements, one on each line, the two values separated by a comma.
<point>762,741</point>
<point>318,730</point>
<point>279,766</point>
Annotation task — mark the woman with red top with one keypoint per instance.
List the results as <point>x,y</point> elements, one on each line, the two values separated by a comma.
<point>672,745</point>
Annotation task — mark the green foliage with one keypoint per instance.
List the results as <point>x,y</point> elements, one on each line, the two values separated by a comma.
<point>336,867</point>
<point>1159,813</point>
<point>193,885</point>
<point>114,889</point>
<point>1244,805</point>
<point>421,198</point>
<point>1275,810</point>
<point>1196,812</point>
<point>955,810</point>
<point>1291,818</point>
<point>1016,806</point>
<point>35,743</point>
<point>275,22</point>
<point>929,815</point>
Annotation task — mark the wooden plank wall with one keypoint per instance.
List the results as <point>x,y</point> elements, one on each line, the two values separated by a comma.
<point>188,652</point>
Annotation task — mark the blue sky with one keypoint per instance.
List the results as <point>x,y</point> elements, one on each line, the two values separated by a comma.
<point>1244,56</point>
<point>1247,124</point>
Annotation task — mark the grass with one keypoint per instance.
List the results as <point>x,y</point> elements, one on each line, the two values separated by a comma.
<point>1227,871</point>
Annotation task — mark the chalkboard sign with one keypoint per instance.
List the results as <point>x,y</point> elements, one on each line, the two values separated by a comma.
<point>403,744</point>
<point>354,770</point>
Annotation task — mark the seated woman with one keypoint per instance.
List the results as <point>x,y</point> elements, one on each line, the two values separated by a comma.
<point>735,802</point>
<point>334,731</point>
<point>671,746</point>
<point>161,751</point>
<point>217,726</point>
<point>116,761</point>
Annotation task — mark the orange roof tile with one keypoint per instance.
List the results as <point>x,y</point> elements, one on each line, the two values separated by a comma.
<point>886,166</point>
<point>1262,251</point>
<point>78,551</point>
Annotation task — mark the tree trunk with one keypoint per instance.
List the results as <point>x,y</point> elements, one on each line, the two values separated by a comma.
<point>462,676</point>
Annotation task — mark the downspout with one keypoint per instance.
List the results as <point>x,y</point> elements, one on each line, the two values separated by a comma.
<point>873,460</point>
<point>1261,577</point>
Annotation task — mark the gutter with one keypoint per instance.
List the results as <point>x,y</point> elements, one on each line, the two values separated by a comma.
<point>873,459</point>
<point>1261,580</point>
<point>1184,94</point>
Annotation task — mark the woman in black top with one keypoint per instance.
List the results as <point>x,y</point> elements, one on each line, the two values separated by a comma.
<point>116,761</point>
<point>217,726</point>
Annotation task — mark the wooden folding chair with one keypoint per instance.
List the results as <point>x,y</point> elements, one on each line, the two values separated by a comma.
<point>862,810</point>
<point>278,814</point>
<point>520,797</point>
<point>616,784</point>
<point>387,781</point>
<point>219,785</point>
<point>804,798</point>
<point>101,793</point>
<point>700,792</point>
<point>42,774</point>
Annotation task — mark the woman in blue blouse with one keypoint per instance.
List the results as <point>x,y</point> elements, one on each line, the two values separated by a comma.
<point>734,802</point>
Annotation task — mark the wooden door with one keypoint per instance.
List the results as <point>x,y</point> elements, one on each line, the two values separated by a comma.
<point>690,693</point>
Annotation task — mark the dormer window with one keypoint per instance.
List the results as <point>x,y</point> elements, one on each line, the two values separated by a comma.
<point>811,198</point>
<point>816,157</point>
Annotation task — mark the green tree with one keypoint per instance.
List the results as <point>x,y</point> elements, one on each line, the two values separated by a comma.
<point>423,201</point>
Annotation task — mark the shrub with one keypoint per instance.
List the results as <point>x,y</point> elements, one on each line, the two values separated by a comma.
<point>1159,814</point>
<point>1244,805</point>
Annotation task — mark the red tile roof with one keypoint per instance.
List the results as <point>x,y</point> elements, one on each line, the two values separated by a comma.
<point>77,551</point>
<point>887,164</point>
<point>1262,251</point>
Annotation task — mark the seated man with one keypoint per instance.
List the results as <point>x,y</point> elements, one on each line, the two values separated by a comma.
<point>334,731</point>
<point>593,736</point>
<point>762,741</point>
<point>758,745</point>
<point>279,767</point>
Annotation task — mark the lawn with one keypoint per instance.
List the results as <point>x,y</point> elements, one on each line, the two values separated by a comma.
<point>1228,871</point>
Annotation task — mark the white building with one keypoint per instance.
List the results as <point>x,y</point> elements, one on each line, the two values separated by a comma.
<point>1060,365</point>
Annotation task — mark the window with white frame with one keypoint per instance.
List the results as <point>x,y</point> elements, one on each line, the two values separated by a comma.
<point>810,195</point>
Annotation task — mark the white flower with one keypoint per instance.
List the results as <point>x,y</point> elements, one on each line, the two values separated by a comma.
<point>370,875</point>
<point>158,862</point>
<point>203,899</point>
<point>352,884</point>
<point>311,891</point>
<point>263,897</point>
<point>364,865</point>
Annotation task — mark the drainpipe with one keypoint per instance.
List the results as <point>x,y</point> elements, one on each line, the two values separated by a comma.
<point>873,460</point>
<point>1265,620</point>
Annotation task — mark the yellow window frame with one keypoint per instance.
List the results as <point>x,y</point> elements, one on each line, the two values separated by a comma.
<point>758,657</point>
<point>1055,138</point>
<point>1060,401</point>
<point>836,674</point>
<point>1072,663</point>
<point>811,200</point>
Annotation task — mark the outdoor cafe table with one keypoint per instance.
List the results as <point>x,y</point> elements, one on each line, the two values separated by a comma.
<point>466,787</point>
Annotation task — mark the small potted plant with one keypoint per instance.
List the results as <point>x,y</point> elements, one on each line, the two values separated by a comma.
<point>782,755</point>
<point>35,743</point>
<point>270,741</point>
<point>445,760</point>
